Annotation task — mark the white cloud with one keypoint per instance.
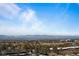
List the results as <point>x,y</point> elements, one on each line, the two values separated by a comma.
<point>36,25</point>
<point>29,21</point>
<point>30,17</point>
<point>9,11</point>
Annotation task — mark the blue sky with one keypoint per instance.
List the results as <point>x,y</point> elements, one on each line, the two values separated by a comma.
<point>39,19</point>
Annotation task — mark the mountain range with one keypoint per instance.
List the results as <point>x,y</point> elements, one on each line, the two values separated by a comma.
<point>36,37</point>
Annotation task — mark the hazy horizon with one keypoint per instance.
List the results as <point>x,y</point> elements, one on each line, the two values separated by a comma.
<point>39,19</point>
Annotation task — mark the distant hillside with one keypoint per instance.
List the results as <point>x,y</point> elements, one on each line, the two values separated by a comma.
<point>36,37</point>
